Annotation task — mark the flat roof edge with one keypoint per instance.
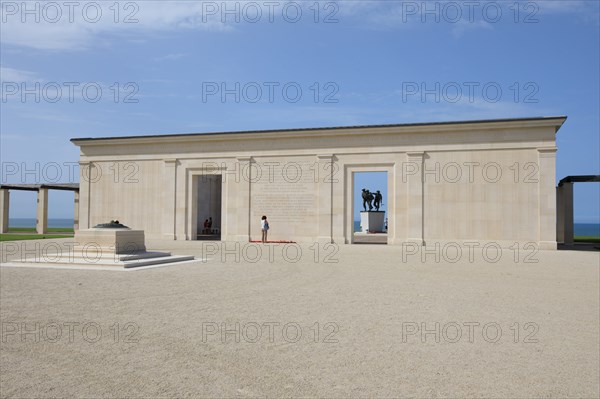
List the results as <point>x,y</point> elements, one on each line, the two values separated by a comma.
<point>579,179</point>
<point>563,118</point>
<point>36,187</point>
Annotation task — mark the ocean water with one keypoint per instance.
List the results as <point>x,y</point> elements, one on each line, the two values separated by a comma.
<point>30,222</point>
<point>587,229</point>
<point>581,229</point>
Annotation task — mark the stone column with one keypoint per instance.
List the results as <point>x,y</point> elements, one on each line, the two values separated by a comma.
<point>547,199</point>
<point>568,212</point>
<point>169,193</point>
<point>184,182</point>
<point>42,211</point>
<point>324,198</point>
<point>397,202</point>
<point>391,205</point>
<point>413,172</point>
<point>4,208</point>
<point>565,213</point>
<point>244,191</point>
<point>84,194</point>
<point>560,215</point>
<point>76,211</point>
<point>338,201</point>
<point>216,200</point>
<point>194,204</point>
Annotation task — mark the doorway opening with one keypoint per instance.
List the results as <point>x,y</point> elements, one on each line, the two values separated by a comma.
<point>370,208</point>
<point>208,207</point>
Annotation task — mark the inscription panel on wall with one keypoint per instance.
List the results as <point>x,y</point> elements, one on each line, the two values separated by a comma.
<point>285,191</point>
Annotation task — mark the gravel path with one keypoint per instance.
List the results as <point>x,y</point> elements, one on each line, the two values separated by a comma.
<point>379,322</point>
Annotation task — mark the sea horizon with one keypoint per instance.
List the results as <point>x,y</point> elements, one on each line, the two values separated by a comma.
<point>30,222</point>
<point>581,229</point>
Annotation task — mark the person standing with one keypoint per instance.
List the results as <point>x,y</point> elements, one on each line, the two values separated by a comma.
<point>264,227</point>
<point>378,200</point>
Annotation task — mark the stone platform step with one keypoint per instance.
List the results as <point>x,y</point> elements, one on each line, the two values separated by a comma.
<point>116,261</point>
<point>367,238</point>
<point>156,261</point>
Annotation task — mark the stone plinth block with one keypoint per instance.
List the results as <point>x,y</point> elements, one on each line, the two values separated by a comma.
<point>109,241</point>
<point>372,221</point>
<point>106,248</point>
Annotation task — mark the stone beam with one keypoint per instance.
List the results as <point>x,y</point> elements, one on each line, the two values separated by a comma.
<point>547,198</point>
<point>415,198</point>
<point>4,207</point>
<point>76,211</point>
<point>169,199</point>
<point>42,211</point>
<point>565,213</point>
<point>324,199</point>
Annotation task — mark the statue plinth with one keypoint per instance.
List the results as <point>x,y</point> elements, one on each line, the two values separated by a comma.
<point>108,245</point>
<point>372,221</point>
<point>109,241</point>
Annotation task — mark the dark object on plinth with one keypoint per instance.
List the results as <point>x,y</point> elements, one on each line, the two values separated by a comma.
<point>367,197</point>
<point>378,200</point>
<point>371,199</point>
<point>114,224</point>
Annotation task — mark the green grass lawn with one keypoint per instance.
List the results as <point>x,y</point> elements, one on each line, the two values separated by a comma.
<point>19,237</point>
<point>32,230</point>
<point>591,239</point>
<point>28,233</point>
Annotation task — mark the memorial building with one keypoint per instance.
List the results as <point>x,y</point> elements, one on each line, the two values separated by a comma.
<point>461,182</point>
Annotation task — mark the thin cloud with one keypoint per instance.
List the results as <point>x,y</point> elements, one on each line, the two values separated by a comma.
<point>460,28</point>
<point>562,6</point>
<point>16,75</point>
<point>588,11</point>
<point>171,57</point>
<point>460,17</point>
<point>58,29</point>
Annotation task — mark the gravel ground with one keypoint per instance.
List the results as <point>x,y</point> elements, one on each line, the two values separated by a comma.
<point>353,321</point>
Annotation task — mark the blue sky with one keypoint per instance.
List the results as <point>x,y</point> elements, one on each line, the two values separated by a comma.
<point>151,67</point>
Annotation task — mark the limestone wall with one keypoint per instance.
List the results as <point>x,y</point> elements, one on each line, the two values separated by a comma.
<point>124,190</point>
<point>473,182</point>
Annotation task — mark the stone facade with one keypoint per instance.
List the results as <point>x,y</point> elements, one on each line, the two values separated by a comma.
<point>463,182</point>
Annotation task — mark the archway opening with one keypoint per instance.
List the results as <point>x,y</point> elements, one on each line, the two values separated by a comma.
<point>370,205</point>
<point>208,207</point>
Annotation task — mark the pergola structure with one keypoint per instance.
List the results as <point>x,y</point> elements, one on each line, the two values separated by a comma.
<point>564,206</point>
<point>41,225</point>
